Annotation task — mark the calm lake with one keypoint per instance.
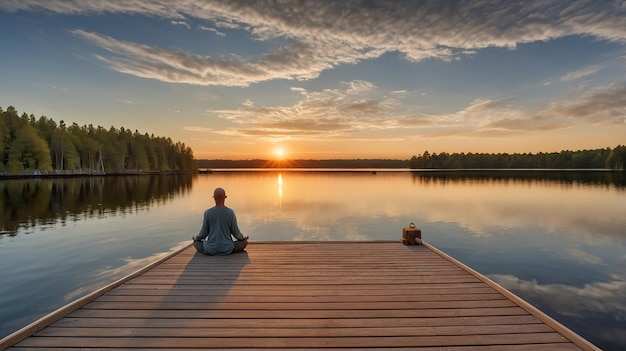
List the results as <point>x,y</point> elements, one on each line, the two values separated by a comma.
<point>556,239</point>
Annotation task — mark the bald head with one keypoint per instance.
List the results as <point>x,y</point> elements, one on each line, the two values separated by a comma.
<point>219,195</point>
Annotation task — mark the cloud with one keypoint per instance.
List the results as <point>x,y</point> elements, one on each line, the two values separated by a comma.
<point>124,101</point>
<point>181,23</point>
<point>229,25</point>
<point>360,108</point>
<point>601,105</point>
<point>479,118</point>
<point>587,71</point>
<point>584,298</point>
<point>605,298</point>
<point>534,123</point>
<point>198,129</point>
<point>307,38</point>
<point>211,29</point>
<point>111,274</point>
<point>171,66</point>
<point>323,114</point>
<point>359,86</point>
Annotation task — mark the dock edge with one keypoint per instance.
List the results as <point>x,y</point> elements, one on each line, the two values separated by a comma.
<point>560,328</point>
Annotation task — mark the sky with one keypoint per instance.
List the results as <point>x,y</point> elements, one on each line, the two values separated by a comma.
<point>325,79</point>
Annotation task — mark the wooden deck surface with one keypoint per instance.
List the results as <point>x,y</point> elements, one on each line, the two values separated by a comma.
<point>375,295</point>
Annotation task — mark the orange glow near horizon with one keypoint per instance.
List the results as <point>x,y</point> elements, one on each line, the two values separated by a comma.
<point>279,153</point>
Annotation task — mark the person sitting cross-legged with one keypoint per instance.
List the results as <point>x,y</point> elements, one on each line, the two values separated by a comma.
<point>219,226</point>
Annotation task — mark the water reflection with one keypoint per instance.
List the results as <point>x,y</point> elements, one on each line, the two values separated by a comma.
<point>85,233</point>
<point>280,190</point>
<point>42,202</point>
<point>602,178</point>
<point>557,239</point>
<point>595,310</point>
<point>351,205</point>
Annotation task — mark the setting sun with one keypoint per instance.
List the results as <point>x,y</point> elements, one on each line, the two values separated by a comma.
<point>280,152</point>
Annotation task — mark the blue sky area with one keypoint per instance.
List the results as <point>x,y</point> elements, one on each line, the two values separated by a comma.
<point>325,79</point>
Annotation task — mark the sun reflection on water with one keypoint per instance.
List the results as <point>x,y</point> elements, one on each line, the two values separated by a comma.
<point>280,190</point>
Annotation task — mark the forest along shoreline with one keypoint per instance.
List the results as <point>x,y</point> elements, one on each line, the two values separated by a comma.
<point>597,159</point>
<point>39,147</point>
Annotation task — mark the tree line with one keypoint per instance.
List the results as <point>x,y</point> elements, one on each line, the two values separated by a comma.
<point>582,159</point>
<point>30,145</point>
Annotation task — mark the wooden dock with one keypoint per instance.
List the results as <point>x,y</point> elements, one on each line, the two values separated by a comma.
<point>301,295</point>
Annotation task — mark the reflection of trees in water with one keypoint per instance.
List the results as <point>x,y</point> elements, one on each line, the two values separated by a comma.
<point>38,202</point>
<point>615,179</point>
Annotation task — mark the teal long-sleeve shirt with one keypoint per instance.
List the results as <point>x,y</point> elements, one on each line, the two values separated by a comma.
<point>218,225</point>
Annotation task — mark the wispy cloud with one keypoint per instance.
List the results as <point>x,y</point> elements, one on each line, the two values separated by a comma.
<point>360,107</point>
<point>197,129</point>
<point>526,124</point>
<point>318,114</point>
<point>311,37</point>
<point>587,71</point>
<point>601,105</point>
<point>170,66</point>
<point>181,23</point>
<point>125,102</point>
<point>229,25</point>
<point>211,29</point>
<point>343,114</point>
<point>602,297</point>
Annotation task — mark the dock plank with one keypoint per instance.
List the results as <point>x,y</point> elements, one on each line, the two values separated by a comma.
<point>295,295</point>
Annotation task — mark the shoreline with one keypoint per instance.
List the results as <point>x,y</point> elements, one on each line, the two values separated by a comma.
<point>373,170</point>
